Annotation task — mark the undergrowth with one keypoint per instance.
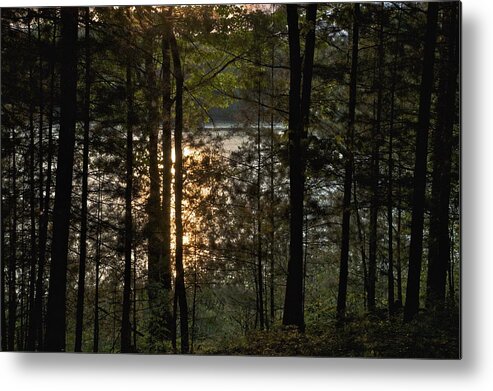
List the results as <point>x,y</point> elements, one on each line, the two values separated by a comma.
<point>428,336</point>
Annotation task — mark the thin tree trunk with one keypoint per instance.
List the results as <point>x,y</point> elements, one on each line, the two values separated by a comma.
<point>175,311</point>
<point>30,340</point>
<point>399,235</point>
<point>13,255</point>
<point>43,234</point>
<point>180,277</point>
<point>95,340</point>
<point>375,176</point>
<point>348,174</point>
<point>126,343</point>
<point>450,270</point>
<point>362,247</point>
<point>56,316</point>
<point>167,165</point>
<point>22,288</point>
<point>272,200</point>
<point>439,239</point>
<point>416,246</point>
<point>3,324</point>
<point>194,297</point>
<point>390,184</point>
<point>260,273</point>
<point>134,315</point>
<point>85,171</point>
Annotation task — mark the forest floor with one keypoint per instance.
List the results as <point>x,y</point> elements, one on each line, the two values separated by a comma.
<point>429,336</point>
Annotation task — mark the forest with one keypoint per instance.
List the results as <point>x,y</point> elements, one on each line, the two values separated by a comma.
<point>264,179</point>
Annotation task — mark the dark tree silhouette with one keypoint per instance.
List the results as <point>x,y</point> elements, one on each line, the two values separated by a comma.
<point>348,171</point>
<point>439,236</point>
<point>85,171</point>
<point>416,246</point>
<point>180,273</point>
<point>127,274</point>
<point>299,101</point>
<point>56,316</point>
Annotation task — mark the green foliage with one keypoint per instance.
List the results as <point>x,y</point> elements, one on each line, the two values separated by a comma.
<point>429,336</point>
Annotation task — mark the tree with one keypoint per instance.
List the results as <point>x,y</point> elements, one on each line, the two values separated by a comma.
<point>348,171</point>
<point>56,317</point>
<point>167,165</point>
<point>156,272</point>
<point>180,274</point>
<point>125,325</point>
<point>85,172</point>
<point>422,130</point>
<point>375,167</point>
<point>442,142</point>
<point>44,215</point>
<point>299,104</point>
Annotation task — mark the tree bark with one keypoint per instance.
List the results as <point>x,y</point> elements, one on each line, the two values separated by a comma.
<point>375,173</point>
<point>30,337</point>
<point>44,218</point>
<point>348,171</point>
<point>272,232</point>
<point>30,340</point>
<point>180,277</point>
<point>293,308</point>
<point>95,338</point>
<point>260,272</point>
<point>299,105</point>
<point>416,246</point>
<point>3,321</point>
<point>85,171</point>
<point>390,183</point>
<point>439,238</point>
<point>156,272</point>
<point>12,275</point>
<point>56,316</point>
<point>167,165</point>
<point>126,343</point>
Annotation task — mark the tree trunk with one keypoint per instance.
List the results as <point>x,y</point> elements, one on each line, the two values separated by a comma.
<point>12,277</point>
<point>439,239</point>
<point>348,174</point>
<point>32,189</point>
<point>390,183</point>
<point>180,278</point>
<point>85,170</point>
<point>399,235</point>
<point>44,218</point>
<point>95,339</point>
<point>298,117</point>
<point>167,165</point>
<point>375,173</point>
<point>134,307</point>
<point>194,296</point>
<point>3,323</point>
<point>293,308</point>
<point>56,317</point>
<point>416,246</point>
<point>260,272</point>
<point>156,272</point>
<point>272,231</point>
<point>362,247</point>
<point>30,340</point>
<point>126,343</point>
